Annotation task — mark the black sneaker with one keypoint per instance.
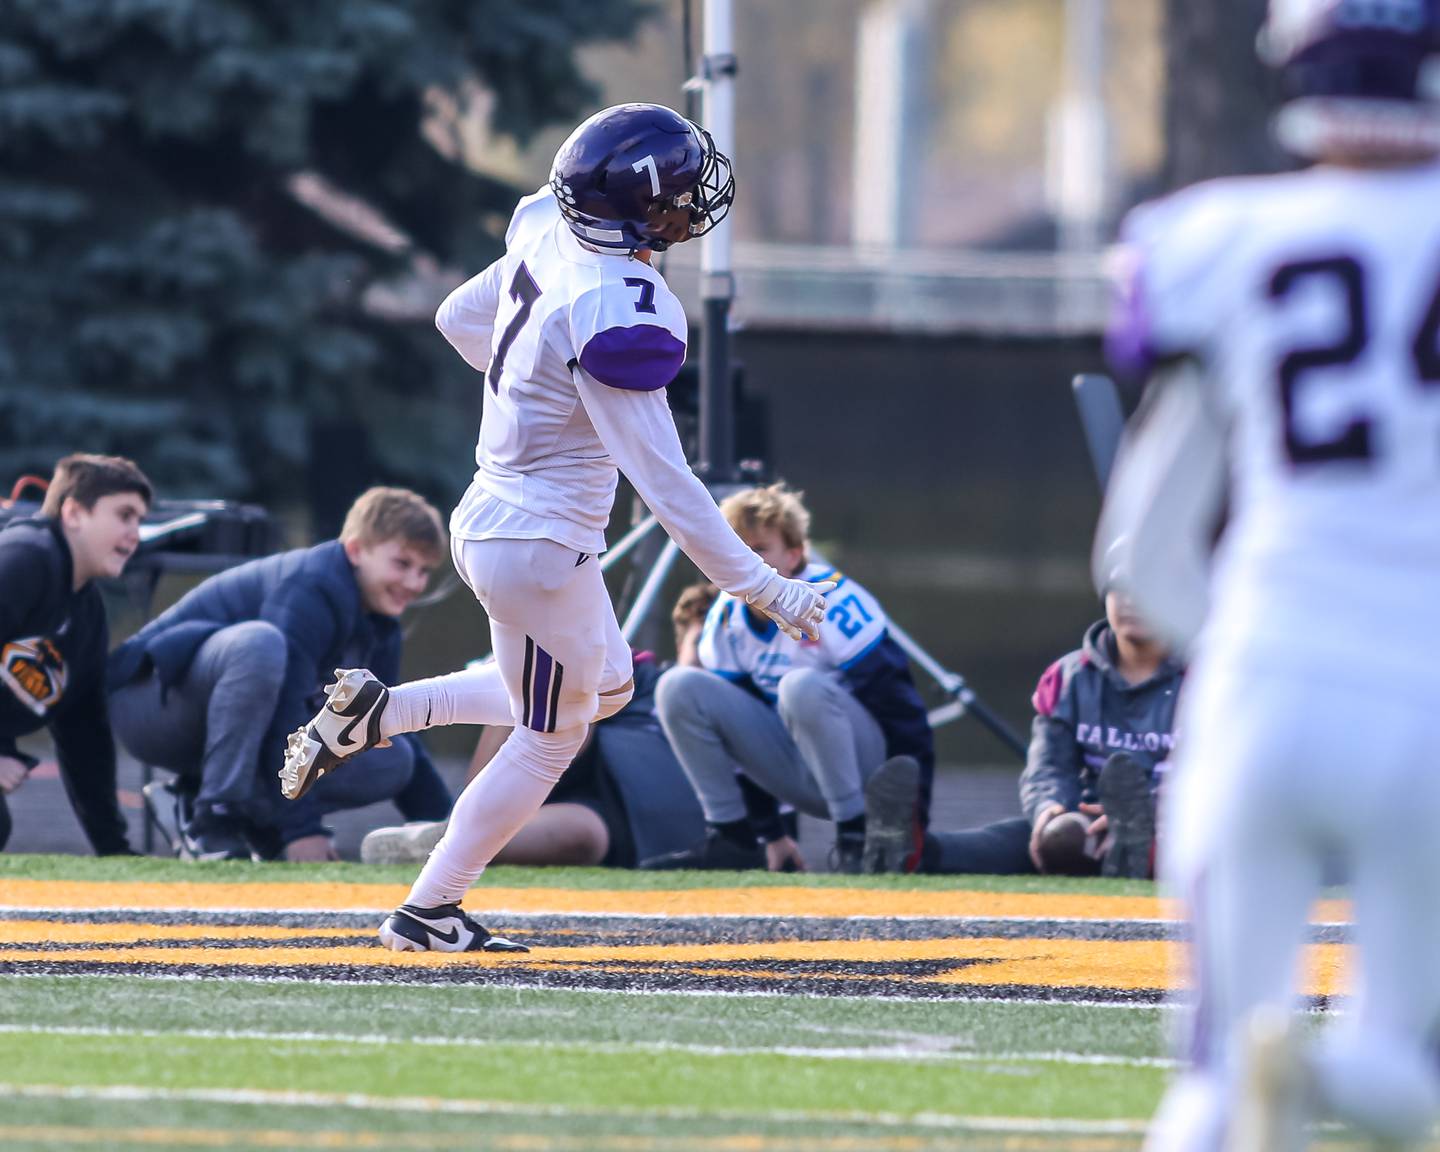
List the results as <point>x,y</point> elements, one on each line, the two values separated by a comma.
<point>1124,788</point>
<point>892,798</point>
<point>206,838</point>
<point>848,855</point>
<point>715,852</point>
<point>444,929</point>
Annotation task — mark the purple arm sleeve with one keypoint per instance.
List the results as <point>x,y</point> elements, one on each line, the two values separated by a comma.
<point>641,358</point>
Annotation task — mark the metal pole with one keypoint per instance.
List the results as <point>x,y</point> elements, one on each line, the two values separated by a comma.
<point>631,538</point>
<point>1082,160</point>
<point>654,582</point>
<point>717,462</point>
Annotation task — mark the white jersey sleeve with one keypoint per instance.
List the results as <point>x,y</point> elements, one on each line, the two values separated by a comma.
<point>854,621</point>
<point>630,345</point>
<point>629,331</point>
<point>467,316</point>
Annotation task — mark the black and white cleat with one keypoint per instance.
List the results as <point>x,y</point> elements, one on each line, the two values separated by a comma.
<point>443,929</point>
<point>347,724</point>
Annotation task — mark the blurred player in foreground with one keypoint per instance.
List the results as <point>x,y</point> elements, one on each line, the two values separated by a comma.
<point>1292,326</point>
<point>577,336</point>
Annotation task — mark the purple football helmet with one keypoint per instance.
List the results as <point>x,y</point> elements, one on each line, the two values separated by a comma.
<point>628,162</point>
<point>1362,76</point>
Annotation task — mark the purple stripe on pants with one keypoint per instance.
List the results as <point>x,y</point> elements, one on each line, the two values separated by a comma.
<point>540,690</point>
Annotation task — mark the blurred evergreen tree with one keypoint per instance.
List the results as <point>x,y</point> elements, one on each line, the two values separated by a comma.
<point>163,291</point>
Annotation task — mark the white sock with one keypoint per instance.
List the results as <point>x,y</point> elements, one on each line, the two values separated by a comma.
<point>494,806</point>
<point>470,696</point>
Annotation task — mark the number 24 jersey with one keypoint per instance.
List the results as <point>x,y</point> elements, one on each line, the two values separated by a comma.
<point>1313,302</point>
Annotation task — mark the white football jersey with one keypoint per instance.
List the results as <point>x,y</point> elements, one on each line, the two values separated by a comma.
<point>526,321</point>
<point>736,645</point>
<point>1313,302</point>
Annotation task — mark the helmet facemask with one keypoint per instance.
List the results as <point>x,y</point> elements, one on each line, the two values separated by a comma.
<point>713,195</point>
<point>708,202</point>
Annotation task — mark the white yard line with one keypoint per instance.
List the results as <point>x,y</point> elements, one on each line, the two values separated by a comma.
<point>893,1052</point>
<point>393,979</point>
<point>433,1104</point>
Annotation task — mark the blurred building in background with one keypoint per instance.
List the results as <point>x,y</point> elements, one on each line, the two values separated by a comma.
<point>925,165</point>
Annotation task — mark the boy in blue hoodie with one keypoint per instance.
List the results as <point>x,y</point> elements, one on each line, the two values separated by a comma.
<point>210,688</point>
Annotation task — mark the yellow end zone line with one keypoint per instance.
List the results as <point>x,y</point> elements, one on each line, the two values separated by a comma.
<point>1132,965</point>
<point>67,895</point>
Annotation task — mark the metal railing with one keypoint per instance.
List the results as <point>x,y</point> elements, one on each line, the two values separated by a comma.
<point>799,286</point>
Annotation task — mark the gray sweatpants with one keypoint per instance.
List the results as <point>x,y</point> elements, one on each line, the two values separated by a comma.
<point>815,749</point>
<point>209,728</point>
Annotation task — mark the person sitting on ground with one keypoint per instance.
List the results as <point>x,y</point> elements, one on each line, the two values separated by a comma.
<point>54,636</point>
<point>1103,729</point>
<point>782,853</point>
<point>687,619</point>
<point>810,723</point>
<point>210,688</point>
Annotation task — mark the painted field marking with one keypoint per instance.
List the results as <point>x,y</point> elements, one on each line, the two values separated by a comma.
<point>359,1101</point>
<point>904,1053</point>
<point>1121,965</point>
<point>398,980</point>
<point>786,902</point>
<point>509,1141</point>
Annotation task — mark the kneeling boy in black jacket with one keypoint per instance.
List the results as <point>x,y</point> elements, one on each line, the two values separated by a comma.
<point>54,636</point>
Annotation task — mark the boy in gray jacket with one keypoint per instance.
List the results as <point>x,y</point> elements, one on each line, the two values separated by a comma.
<point>1103,728</point>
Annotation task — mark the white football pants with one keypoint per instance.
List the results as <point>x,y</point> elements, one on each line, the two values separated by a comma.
<point>1278,770</point>
<point>562,662</point>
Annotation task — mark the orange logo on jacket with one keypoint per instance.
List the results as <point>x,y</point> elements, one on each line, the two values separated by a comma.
<point>34,670</point>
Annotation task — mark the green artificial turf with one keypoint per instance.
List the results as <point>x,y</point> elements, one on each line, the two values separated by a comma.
<point>525,1015</point>
<point>168,1062</point>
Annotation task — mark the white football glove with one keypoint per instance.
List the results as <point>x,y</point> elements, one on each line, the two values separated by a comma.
<point>796,606</point>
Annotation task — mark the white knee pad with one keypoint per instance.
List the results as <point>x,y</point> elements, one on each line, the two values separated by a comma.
<point>546,755</point>
<point>611,702</point>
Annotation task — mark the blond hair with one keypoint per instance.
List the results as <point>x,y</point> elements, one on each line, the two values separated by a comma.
<point>775,507</point>
<point>383,514</point>
<point>87,478</point>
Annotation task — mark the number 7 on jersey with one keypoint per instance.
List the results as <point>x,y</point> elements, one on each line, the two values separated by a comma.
<point>524,289</point>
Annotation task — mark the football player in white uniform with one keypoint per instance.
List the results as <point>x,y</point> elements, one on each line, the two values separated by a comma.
<point>577,336</point>
<point>1291,324</point>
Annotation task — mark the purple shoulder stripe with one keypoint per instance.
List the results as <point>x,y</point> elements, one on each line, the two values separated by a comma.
<point>1129,346</point>
<point>640,358</point>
